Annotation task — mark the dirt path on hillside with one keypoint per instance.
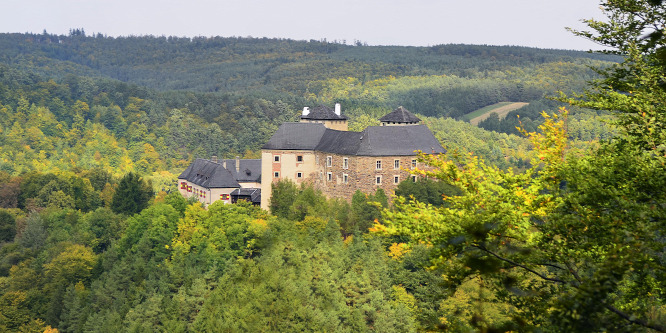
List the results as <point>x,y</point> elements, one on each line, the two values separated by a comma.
<point>501,111</point>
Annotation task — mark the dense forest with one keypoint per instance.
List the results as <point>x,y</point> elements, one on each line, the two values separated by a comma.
<point>538,221</point>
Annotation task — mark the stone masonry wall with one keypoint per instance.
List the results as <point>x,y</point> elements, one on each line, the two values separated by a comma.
<point>362,173</point>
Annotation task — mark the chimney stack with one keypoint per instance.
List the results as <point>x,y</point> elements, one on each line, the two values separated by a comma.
<point>306,111</point>
<point>213,159</point>
<point>338,109</point>
<point>237,163</point>
<point>224,164</point>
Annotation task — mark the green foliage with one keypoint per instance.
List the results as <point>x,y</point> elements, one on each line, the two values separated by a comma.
<point>74,264</point>
<point>105,226</point>
<point>7,226</point>
<point>294,203</point>
<point>283,194</point>
<point>364,211</point>
<point>345,289</point>
<point>568,241</point>
<point>132,195</point>
<point>163,269</point>
<point>177,201</point>
<point>426,191</point>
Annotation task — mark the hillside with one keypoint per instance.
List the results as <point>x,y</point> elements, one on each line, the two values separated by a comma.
<point>443,80</point>
<point>172,99</point>
<point>238,64</point>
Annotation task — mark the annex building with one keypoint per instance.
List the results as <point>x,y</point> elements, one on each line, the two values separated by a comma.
<point>227,180</point>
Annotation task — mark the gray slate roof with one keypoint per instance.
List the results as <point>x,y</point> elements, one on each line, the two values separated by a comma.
<point>296,136</point>
<point>249,171</point>
<point>323,112</point>
<point>254,194</point>
<point>400,115</point>
<point>398,141</point>
<point>373,141</point>
<point>208,174</point>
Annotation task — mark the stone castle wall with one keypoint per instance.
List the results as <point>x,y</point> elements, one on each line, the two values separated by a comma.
<point>361,173</point>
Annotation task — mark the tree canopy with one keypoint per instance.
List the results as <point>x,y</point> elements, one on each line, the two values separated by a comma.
<point>575,242</point>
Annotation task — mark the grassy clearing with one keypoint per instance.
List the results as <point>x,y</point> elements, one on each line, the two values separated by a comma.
<point>484,110</point>
<point>502,109</point>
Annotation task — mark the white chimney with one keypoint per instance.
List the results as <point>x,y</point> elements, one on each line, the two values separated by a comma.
<point>237,163</point>
<point>306,111</point>
<point>213,159</point>
<point>338,109</point>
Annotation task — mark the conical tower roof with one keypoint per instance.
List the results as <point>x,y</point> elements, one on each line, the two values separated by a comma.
<point>400,116</point>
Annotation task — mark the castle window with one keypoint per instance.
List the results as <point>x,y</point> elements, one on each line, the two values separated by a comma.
<point>276,158</point>
<point>345,178</point>
<point>396,179</point>
<point>329,176</point>
<point>414,164</point>
<point>379,165</point>
<point>329,161</point>
<point>345,163</point>
<point>378,180</point>
<point>299,158</point>
<point>276,174</point>
<point>299,175</point>
<point>414,178</point>
<point>317,159</point>
<point>396,164</point>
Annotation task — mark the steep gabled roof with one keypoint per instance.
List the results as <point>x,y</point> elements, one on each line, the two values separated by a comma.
<point>249,170</point>
<point>400,115</point>
<point>296,136</point>
<point>373,141</point>
<point>381,141</point>
<point>323,112</point>
<point>209,175</point>
<point>398,141</point>
<point>340,142</point>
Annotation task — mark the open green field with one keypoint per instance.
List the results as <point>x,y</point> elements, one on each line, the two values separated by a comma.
<point>501,108</point>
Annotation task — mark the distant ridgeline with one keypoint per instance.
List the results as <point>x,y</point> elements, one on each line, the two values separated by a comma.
<point>153,103</point>
<point>238,64</point>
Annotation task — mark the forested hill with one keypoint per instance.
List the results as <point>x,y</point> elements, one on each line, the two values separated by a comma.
<point>438,81</point>
<point>239,64</point>
<point>158,102</point>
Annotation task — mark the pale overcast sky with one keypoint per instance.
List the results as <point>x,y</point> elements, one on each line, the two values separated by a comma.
<point>538,23</point>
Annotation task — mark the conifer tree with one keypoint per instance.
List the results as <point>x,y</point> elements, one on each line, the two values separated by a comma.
<point>132,195</point>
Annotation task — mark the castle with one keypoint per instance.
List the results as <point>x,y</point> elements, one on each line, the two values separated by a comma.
<point>320,151</point>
